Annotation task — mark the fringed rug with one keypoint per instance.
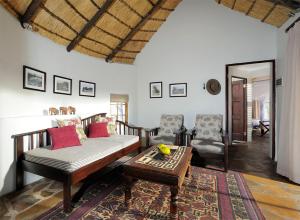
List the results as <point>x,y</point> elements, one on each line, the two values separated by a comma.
<point>205,195</point>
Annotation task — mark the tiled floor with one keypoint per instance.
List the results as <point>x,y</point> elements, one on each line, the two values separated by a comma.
<point>277,198</point>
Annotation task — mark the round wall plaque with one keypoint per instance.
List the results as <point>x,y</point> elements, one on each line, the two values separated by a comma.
<point>213,86</point>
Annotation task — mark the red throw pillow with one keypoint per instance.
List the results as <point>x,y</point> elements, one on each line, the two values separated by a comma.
<point>98,130</point>
<point>64,137</point>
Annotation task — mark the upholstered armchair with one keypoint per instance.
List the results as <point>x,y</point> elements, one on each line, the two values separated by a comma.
<point>208,140</point>
<point>171,131</point>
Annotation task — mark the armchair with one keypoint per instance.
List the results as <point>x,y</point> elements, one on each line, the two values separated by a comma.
<point>208,139</point>
<point>170,131</point>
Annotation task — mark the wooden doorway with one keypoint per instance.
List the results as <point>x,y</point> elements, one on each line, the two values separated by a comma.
<point>272,104</point>
<point>239,108</point>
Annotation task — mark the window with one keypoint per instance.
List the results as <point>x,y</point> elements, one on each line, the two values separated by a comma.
<point>119,107</point>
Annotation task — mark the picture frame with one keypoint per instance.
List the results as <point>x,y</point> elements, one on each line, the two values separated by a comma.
<point>178,90</point>
<point>87,89</point>
<point>62,85</point>
<point>34,79</point>
<point>156,90</point>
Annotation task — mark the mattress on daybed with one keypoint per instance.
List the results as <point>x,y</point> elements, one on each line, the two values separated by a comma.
<point>73,158</point>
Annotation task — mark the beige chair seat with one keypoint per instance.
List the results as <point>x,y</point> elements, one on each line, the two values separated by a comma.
<point>208,146</point>
<point>162,140</point>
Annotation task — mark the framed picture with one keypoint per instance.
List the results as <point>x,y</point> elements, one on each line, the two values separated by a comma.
<point>178,90</point>
<point>156,90</point>
<point>87,89</point>
<point>62,85</point>
<point>34,79</point>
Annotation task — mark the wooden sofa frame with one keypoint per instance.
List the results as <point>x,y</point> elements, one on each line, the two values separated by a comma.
<point>40,138</point>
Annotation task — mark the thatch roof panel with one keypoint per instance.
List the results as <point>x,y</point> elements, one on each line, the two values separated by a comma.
<point>57,38</point>
<point>275,13</point>
<point>242,5</point>
<point>278,16</point>
<point>140,7</point>
<point>63,11</point>
<point>86,8</point>
<point>81,49</point>
<point>47,21</point>
<point>260,9</point>
<point>152,25</point>
<point>143,35</point>
<point>112,26</point>
<point>95,46</point>
<point>101,36</point>
<point>127,14</point>
<point>137,45</point>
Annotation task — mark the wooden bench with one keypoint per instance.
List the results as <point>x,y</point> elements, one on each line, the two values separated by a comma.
<point>40,138</point>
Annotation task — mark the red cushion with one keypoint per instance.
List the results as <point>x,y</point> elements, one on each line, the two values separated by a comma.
<point>64,137</point>
<point>98,130</point>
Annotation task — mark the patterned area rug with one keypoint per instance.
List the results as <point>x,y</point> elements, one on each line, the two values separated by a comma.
<point>205,195</point>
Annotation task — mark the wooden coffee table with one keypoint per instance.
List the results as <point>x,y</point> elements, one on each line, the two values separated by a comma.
<point>172,177</point>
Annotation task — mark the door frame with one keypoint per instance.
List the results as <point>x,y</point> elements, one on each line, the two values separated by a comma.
<point>245,105</point>
<point>273,115</point>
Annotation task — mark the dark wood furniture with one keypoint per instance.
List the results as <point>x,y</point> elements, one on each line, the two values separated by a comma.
<point>264,127</point>
<point>179,139</point>
<point>40,138</point>
<point>173,178</point>
<point>224,158</point>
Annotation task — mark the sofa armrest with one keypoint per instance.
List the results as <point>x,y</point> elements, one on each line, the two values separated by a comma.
<point>129,129</point>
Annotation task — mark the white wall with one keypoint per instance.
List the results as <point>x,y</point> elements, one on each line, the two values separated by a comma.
<point>22,110</point>
<point>193,46</point>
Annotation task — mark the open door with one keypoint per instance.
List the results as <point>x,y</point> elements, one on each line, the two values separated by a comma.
<point>239,109</point>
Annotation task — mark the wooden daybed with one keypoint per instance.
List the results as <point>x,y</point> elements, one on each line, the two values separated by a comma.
<point>39,140</point>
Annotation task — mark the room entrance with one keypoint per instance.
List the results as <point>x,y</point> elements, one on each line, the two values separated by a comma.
<point>250,105</point>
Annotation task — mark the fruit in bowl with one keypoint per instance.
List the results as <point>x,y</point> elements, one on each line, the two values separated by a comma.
<point>164,149</point>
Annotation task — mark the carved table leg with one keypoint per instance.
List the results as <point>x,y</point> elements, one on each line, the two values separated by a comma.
<point>128,186</point>
<point>173,205</point>
<point>189,171</point>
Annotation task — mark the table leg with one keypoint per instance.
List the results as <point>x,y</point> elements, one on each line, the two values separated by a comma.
<point>189,171</point>
<point>128,186</point>
<point>173,205</point>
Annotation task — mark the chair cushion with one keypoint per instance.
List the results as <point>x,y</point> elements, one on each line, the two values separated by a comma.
<point>169,124</point>
<point>74,121</point>
<point>209,127</point>
<point>162,140</point>
<point>63,137</point>
<point>111,124</point>
<point>208,146</point>
<point>98,130</point>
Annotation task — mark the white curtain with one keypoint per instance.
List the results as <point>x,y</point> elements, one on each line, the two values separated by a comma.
<point>289,131</point>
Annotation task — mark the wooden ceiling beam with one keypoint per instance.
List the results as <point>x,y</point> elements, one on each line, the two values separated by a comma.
<point>90,24</point>
<point>31,11</point>
<point>233,5</point>
<point>119,47</point>
<point>251,7</point>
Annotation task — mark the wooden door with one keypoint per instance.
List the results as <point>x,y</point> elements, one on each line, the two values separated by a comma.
<point>239,109</point>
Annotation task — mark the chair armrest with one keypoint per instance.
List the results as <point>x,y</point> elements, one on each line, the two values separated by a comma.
<point>190,136</point>
<point>150,132</point>
<point>180,131</point>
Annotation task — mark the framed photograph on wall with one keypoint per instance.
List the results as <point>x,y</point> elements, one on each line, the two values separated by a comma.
<point>62,85</point>
<point>156,90</point>
<point>34,79</point>
<point>178,90</point>
<point>87,89</point>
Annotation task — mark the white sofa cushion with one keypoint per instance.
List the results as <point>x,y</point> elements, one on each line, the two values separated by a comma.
<point>73,158</point>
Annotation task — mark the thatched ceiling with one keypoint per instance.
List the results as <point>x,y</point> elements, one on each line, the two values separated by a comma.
<point>115,30</point>
<point>274,12</point>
